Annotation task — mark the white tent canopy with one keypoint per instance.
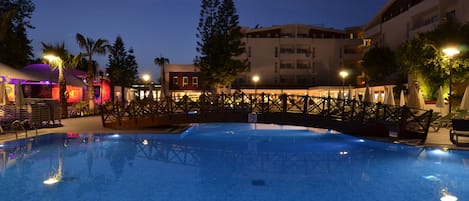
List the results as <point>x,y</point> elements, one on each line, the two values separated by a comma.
<point>8,73</point>
<point>465,100</point>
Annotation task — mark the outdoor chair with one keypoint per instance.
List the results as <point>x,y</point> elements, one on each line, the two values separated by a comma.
<point>460,129</point>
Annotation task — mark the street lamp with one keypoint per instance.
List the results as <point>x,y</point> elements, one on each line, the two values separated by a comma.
<point>146,79</point>
<point>255,79</point>
<point>58,62</point>
<point>343,74</point>
<point>450,52</point>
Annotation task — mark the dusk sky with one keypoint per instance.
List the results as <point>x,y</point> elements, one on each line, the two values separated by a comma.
<point>168,27</point>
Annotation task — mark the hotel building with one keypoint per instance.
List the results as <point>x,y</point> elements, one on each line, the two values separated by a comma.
<point>400,20</point>
<point>299,56</point>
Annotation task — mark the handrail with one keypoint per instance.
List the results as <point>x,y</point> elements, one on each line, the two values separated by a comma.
<point>401,119</point>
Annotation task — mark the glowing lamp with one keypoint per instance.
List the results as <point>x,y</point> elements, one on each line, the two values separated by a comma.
<point>51,180</point>
<point>451,51</point>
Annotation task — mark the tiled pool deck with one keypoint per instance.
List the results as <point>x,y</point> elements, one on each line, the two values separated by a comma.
<point>93,125</point>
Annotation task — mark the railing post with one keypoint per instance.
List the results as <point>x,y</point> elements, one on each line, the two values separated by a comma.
<point>186,103</point>
<point>202,102</point>
<point>305,104</point>
<point>284,102</point>
<point>378,107</point>
<point>328,114</point>
<point>353,109</point>
<point>343,109</point>
<point>223,99</point>
<point>262,102</point>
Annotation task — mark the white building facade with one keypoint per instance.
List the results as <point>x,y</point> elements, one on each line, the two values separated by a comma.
<point>299,56</point>
<point>400,20</point>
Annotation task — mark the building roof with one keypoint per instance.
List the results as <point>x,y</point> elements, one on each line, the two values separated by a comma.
<point>378,17</point>
<point>44,72</point>
<point>8,72</point>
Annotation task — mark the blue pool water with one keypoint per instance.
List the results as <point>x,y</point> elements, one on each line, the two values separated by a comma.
<point>217,162</point>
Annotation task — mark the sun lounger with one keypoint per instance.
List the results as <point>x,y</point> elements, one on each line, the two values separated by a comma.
<point>460,129</point>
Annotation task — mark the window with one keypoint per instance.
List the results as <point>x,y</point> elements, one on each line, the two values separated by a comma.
<point>175,80</point>
<point>313,68</point>
<point>195,81</point>
<point>185,81</point>
<point>249,51</point>
<point>276,51</point>
<point>284,65</point>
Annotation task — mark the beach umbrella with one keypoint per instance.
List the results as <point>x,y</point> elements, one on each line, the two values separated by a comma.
<point>421,100</point>
<point>19,96</point>
<point>413,99</point>
<point>357,98</point>
<point>389,96</point>
<point>349,94</point>
<point>402,99</point>
<point>367,98</point>
<point>465,100</point>
<point>3,94</point>
<point>440,100</point>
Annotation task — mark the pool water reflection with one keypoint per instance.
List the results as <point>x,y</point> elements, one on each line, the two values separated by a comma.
<point>228,161</point>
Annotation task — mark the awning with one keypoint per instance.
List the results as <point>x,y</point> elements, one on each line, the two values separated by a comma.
<point>8,73</point>
<point>44,72</point>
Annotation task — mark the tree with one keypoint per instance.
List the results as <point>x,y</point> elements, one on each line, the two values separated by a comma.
<point>379,63</point>
<point>161,62</point>
<point>91,48</point>
<point>422,56</point>
<point>65,60</point>
<point>122,67</point>
<point>15,47</point>
<point>219,43</point>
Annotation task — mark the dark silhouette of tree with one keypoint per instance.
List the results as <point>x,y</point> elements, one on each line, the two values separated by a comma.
<point>379,63</point>
<point>219,44</point>
<point>122,68</point>
<point>422,56</point>
<point>91,48</point>
<point>15,47</point>
<point>161,62</point>
<point>65,60</point>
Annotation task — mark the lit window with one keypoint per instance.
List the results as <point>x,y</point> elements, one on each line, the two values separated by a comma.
<point>175,80</point>
<point>185,81</point>
<point>195,81</point>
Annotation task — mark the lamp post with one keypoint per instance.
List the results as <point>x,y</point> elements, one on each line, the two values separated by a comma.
<point>450,52</point>
<point>146,79</point>
<point>255,79</point>
<point>58,62</point>
<point>343,74</point>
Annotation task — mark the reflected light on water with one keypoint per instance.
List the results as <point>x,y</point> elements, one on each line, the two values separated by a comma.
<point>440,151</point>
<point>446,196</point>
<point>51,180</point>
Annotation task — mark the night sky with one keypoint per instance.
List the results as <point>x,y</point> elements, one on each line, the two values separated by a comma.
<point>168,27</point>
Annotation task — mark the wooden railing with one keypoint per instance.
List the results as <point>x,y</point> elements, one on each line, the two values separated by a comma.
<point>404,120</point>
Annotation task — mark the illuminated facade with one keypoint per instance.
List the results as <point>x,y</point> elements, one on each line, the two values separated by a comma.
<point>299,56</point>
<point>181,79</point>
<point>400,20</point>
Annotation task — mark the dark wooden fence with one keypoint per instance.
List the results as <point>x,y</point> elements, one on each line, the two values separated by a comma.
<point>408,122</point>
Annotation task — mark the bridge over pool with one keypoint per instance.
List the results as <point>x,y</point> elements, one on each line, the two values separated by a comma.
<point>349,116</point>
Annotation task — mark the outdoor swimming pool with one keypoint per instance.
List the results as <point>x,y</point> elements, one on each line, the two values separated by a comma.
<point>229,161</point>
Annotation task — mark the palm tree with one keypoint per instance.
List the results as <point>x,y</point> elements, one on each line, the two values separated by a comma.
<point>64,60</point>
<point>161,61</point>
<point>91,47</point>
